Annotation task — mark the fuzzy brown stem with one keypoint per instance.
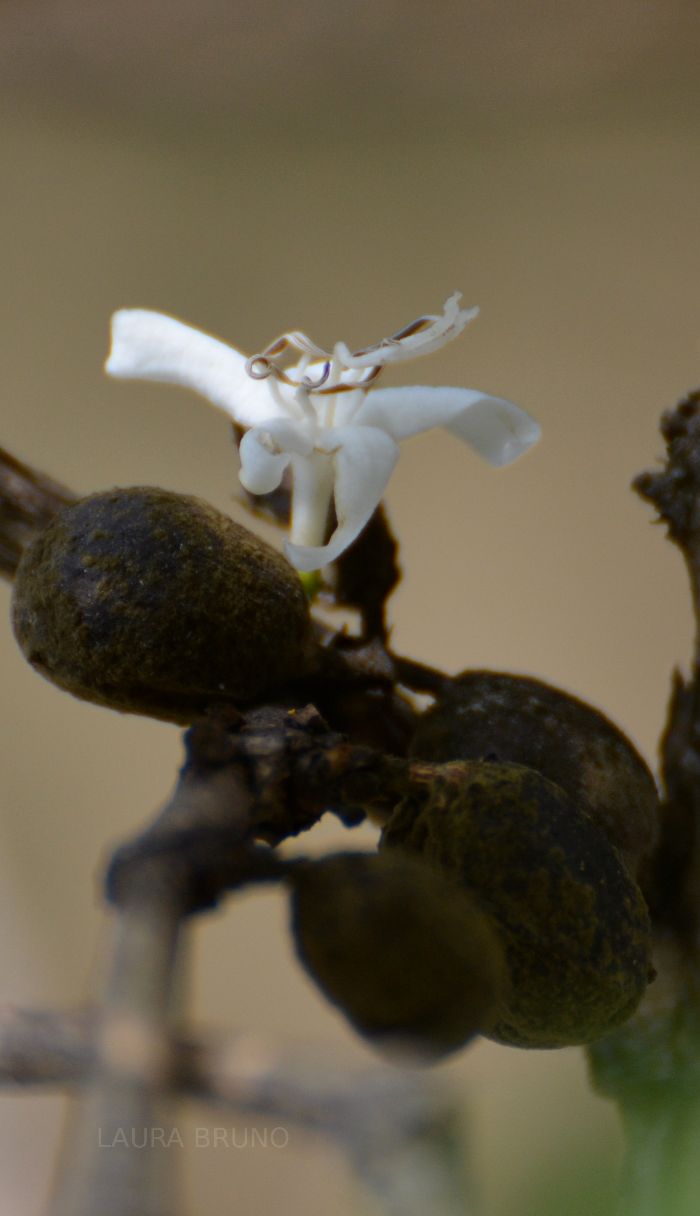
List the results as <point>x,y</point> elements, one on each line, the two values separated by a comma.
<point>419,676</point>
<point>28,502</point>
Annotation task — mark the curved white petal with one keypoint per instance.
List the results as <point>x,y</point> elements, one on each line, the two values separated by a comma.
<point>149,345</point>
<point>436,332</point>
<point>497,429</point>
<point>265,452</point>
<point>364,460</point>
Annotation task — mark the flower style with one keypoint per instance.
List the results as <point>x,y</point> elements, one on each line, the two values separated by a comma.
<point>323,415</point>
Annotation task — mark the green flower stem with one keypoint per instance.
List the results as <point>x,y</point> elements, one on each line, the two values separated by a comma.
<point>312,582</point>
<point>651,1068</point>
<point>662,1167</point>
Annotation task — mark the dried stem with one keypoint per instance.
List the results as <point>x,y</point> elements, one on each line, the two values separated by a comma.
<point>154,889</point>
<point>264,777</point>
<point>132,1062</point>
<point>248,783</point>
<point>400,1132</point>
<point>243,1072</point>
<point>45,1047</point>
<point>418,676</point>
<point>675,491</point>
<point>28,502</point>
<point>651,1065</point>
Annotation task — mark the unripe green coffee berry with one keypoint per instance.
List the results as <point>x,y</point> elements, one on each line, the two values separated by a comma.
<point>573,922</point>
<point>486,714</point>
<point>406,955</point>
<point>153,602</point>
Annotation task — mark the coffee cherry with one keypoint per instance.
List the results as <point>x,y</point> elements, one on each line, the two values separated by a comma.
<point>573,922</point>
<point>488,715</point>
<point>153,602</point>
<point>406,955</point>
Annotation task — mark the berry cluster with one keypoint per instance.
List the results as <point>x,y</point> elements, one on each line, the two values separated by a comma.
<point>504,898</point>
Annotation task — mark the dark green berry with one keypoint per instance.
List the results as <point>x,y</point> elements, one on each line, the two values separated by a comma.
<point>489,715</point>
<point>153,602</point>
<point>572,920</point>
<point>407,956</point>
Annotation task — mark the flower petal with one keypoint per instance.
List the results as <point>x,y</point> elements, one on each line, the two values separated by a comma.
<point>364,460</point>
<point>265,452</point>
<point>430,334</point>
<point>497,429</point>
<point>149,345</point>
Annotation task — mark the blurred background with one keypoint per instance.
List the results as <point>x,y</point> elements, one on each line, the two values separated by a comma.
<point>343,168</point>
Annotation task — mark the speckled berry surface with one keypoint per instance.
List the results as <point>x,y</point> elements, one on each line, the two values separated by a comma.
<point>573,922</point>
<point>486,714</point>
<point>154,602</point>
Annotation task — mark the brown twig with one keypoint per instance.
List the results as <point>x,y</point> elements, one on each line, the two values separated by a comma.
<point>365,575</point>
<point>675,492</point>
<point>247,784</point>
<point>263,777</point>
<point>419,676</point>
<point>154,890</point>
<point>28,502</point>
<point>650,1065</point>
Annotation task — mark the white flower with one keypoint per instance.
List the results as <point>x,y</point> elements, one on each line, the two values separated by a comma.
<point>323,416</point>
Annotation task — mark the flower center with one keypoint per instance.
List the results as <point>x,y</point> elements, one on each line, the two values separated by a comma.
<point>324,382</point>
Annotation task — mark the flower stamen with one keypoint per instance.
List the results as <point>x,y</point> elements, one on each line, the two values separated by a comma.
<point>414,327</point>
<point>372,375</point>
<point>259,367</point>
<point>313,386</point>
<point>262,366</point>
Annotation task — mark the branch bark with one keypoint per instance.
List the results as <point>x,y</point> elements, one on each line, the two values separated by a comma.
<point>401,1133</point>
<point>28,502</point>
<point>132,1069</point>
<point>651,1065</point>
<point>246,781</point>
<point>132,1066</point>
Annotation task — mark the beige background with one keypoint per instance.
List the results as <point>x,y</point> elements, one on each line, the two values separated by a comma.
<point>343,168</point>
